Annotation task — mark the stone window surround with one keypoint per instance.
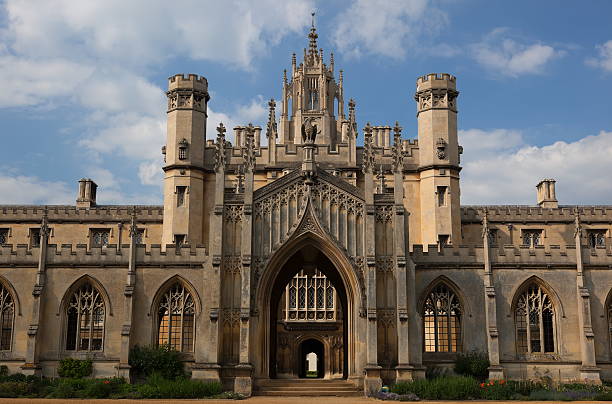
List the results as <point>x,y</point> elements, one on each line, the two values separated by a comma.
<point>525,230</point>
<point>539,355</point>
<point>459,344</point>
<point>8,232</point>
<point>95,229</point>
<point>80,353</point>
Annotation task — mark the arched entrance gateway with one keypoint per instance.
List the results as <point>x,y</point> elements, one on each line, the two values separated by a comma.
<point>311,267</point>
<point>306,315</point>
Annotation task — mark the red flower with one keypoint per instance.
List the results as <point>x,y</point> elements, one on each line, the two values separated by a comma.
<point>482,385</point>
<point>106,382</point>
<point>502,381</point>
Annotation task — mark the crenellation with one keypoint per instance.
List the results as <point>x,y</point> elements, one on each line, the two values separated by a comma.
<point>191,80</point>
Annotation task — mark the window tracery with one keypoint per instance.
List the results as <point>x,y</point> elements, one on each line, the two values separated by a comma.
<point>597,238</point>
<point>310,297</point>
<point>534,321</point>
<point>610,321</point>
<point>7,316</point>
<point>85,320</point>
<point>442,320</point>
<point>532,238</point>
<point>175,322</point>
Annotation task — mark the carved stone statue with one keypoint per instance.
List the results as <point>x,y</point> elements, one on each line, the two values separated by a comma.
<point>309,132</point>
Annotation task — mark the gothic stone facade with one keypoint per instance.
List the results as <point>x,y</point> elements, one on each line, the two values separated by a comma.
<point>266,249</point>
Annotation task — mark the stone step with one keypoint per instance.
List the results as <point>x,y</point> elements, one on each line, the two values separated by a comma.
<point>306,387</point>
<point>309,393</point>
<point>305,384</point>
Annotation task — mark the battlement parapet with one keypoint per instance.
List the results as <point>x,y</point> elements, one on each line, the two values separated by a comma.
<point>191,82</point>
<point>68,213</point>
<point>81,255</point>
<point>524,213</point>
<point>436,80</point>
<point>555,255</point>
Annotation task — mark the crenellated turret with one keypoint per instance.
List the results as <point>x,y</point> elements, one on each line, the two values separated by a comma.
<point>184,157</point>
<point>436,98</point>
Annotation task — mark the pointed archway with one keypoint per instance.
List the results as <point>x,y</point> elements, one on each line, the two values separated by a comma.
<point>282,266</point>
<point>308,256</point>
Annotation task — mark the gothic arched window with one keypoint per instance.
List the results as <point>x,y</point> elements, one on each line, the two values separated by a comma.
<point>442,320</point>
<point>85,320</point>
<point>175,321</point>
<point>7,315</point>
<point>534,321</point>
<point>610,320</point>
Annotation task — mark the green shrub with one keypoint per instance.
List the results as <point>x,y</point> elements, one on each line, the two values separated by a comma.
<point>441,388</point>
<point>548,395</point>
<point>75,368</point>
<point>475,364</point>
<point>4,371</point>
<point>159,387</point>
<point>13,389</point>
<point>607,396</point>
<point>525,387</point>
<point>69,388</point>
<point>105,388</point>
<point>163,360</point>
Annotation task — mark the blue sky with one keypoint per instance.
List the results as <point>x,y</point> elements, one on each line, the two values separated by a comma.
<point>83,92</point>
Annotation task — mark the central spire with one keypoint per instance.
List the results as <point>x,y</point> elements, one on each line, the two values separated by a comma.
<point>313,36</point>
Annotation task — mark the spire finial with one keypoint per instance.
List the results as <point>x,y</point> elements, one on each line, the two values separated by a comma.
<point>313,37</point>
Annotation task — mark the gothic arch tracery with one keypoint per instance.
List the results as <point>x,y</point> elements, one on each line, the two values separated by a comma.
<point>174,310</point>
<point>534,313</point>
<point>85,308</point>
<point>442,311</point>
<point>7,317</point>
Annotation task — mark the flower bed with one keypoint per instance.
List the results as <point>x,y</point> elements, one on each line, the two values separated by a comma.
<point>468,388</point>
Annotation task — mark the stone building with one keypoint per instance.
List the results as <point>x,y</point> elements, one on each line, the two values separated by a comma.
<point>267,250</point>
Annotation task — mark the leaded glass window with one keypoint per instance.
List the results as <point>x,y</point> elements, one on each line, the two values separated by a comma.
<point>7,314</point>
<point>292,297</point>
<point>442,320</point>
<point>610,322</point>
<point>35,237</point>
<point>597,238</point>
<point>532,238</point>
<point>3,236</point>
<point>534,321</point>
<point>310,297</point>
<point>175,323</point>
<point>100,237</point>
<point>139,236</point>
<point>85,320</point>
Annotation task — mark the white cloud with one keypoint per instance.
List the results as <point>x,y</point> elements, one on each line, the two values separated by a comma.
<point>604,58</point>
<point>28,82</point>
<point>508,173</point>
<point>133,136</point>
<point>21,189</point>
<point>92,55</point>
<point>141,32</point>
<point>150,172</point>
<point>507,57</point>
<point>385,27</point>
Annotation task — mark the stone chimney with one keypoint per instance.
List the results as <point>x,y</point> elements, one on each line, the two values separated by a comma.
<point>86,197</point>
<point>547,197</point>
